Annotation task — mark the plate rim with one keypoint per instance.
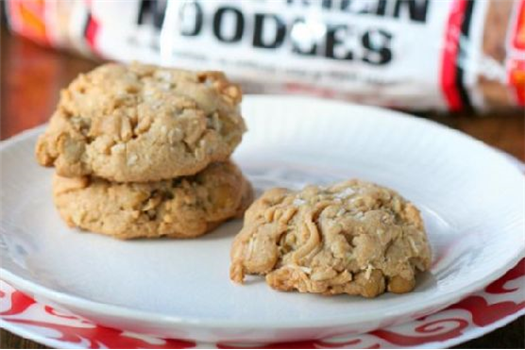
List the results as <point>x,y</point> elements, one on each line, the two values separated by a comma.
<point>121,312</point>
<point>473,332</point>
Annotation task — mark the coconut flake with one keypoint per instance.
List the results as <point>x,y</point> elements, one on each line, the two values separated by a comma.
<point>345,194</point>
<point>298,201</point>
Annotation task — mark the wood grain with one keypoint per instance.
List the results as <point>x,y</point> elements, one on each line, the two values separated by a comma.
<point>31,79</point>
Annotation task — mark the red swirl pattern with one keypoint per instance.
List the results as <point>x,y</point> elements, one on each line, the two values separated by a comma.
<point>19,303</point>
<point>498,286</point>
<point>484,313</point>
<point>434,331</point>
<point>14,305</point>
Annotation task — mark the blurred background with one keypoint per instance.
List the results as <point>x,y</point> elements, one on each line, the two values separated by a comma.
<point>460,62</point>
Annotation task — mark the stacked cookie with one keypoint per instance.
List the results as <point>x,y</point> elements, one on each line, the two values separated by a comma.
<point>143,151</point>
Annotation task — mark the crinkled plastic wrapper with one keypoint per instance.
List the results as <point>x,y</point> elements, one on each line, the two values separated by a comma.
<point>407,54</point>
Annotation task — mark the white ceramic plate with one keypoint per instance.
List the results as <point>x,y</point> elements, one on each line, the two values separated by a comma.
<point>472,199</point>
<point>499,303</point>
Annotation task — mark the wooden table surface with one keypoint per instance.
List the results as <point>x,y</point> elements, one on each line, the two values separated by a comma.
<point>31,77</point>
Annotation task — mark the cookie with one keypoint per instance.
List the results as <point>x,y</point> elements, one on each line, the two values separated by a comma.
<point>141,123</point>
<point>353,238</point>
<point>181,208</point>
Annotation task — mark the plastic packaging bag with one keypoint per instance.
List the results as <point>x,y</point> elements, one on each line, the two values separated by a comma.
<point>410,54</point>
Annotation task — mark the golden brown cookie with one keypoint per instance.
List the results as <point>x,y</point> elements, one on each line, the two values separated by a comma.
<point>142,123</point>
<point>353,237</point>
<point>183,207</point>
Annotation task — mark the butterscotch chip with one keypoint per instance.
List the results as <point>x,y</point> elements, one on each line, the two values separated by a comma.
<point>354,237</point>
<point>182,208</point>
<point>142,123</point>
